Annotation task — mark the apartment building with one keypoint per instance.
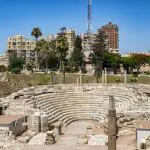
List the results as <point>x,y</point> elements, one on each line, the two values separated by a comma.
<point>71,37</point>
<point>112,32</point>
<point>21,47</point>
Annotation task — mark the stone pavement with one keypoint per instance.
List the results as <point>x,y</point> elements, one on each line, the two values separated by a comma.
<point>69,141</point>
<point>62,147</point>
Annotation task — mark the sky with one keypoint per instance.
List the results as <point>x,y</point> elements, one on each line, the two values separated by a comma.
<point>132,17</point>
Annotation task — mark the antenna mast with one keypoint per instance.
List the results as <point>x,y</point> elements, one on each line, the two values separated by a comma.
<point>89,17</point>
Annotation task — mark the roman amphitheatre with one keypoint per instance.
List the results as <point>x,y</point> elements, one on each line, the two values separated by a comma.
<point>72,116</point>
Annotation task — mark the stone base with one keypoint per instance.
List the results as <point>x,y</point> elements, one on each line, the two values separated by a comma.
<point>50,139</point>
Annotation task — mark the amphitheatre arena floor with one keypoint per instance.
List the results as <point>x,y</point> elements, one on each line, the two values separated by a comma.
<point>73,134</point>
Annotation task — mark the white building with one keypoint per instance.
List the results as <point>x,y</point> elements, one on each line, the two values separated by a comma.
<point>3,60</point>
<point>49,38</point>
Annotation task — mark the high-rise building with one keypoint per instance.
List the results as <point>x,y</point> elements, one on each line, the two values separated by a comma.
<point>112,33</point>
<point>21,47</point>
<point>87,41</point>
<point>71,37</point>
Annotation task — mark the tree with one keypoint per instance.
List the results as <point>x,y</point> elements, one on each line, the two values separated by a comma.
<point>129,63</point>
<point>135,61</point>
<point>141,59</point>
<point>98,49</point>
<point>62,49</point>
<point>29,67</point>
<point>36,32</point>
<point>111,60</point>
<point>148,60</point>
<point>47,52</point>
<point>16,65</point>
<point>76,60</point>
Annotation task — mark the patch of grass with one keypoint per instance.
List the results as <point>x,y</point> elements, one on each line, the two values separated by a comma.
<point>115,79</point>
<point>46,79</point>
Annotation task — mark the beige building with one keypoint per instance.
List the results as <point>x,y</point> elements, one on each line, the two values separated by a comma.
<point>21,47</point>
<point>71,37</point>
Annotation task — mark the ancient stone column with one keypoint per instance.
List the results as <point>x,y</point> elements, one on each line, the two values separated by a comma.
<point>105,75</point>
<point>89,130</point>
<point>77,81</point>
<point>112,124</point>
<point>125,76</point>
<point>44,122</point>
<point>57,130</point>
<point>80,77</point>
<point>36,122</point>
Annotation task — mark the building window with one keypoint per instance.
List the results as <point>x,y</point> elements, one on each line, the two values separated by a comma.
<point>14,43</point>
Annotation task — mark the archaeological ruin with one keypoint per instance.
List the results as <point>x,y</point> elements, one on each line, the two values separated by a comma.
<point>52,114</point>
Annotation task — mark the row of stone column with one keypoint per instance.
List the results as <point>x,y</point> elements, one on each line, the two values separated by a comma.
<point>104,77</point>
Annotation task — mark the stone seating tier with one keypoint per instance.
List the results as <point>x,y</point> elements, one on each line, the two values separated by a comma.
<point>67,104</point>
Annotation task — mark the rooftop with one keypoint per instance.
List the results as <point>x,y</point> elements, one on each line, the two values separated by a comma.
<point>9,119</point>
<point>143,124</point>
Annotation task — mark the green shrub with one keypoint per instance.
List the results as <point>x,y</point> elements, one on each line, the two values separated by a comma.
<point>29,67</point>
<point>118,80</point>
<point>133,80</point>
<point>3,68</point>
<point>147,72</point>
<point>16,65</point>
<point>135,74</point>
<point>16,70</point>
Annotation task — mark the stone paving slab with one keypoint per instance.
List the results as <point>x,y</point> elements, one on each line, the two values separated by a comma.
<point>62,147</point>
<point>38,139</point>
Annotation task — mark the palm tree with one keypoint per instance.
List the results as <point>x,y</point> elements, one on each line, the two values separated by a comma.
<point>36,32</point>
<point>62,48</point>
<point>47,53</point>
